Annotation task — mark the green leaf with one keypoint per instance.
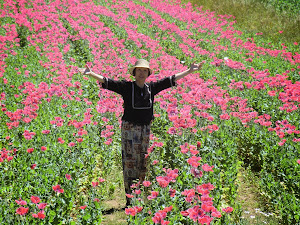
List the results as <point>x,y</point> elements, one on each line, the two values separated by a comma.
<point>87,216</point>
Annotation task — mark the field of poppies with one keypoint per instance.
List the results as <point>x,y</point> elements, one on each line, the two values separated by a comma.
<point>60,131</point>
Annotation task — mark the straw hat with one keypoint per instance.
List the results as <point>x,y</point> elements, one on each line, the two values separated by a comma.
<point>140,63</point>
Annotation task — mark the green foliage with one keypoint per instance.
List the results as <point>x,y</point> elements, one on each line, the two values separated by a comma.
<point>291,7</point>
<point>260,16</point>
<point>23,33</point>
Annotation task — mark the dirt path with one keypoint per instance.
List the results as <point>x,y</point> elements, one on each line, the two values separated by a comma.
<point>117,217</point>
<point>252,203</point>
<point>114,213</point>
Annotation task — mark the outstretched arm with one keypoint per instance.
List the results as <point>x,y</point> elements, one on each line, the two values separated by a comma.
<point>193,67</point>
<point>89,72</point>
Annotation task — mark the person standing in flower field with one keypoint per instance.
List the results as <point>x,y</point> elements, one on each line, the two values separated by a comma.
<point>138,99</point>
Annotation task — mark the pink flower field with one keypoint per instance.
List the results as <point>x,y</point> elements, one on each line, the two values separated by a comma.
<point>60,140</point>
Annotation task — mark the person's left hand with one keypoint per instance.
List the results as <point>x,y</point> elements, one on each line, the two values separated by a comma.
<point>195,67</point>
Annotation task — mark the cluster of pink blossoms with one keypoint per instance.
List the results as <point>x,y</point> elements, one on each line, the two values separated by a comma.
<point>171,175</point>
<point>24,210</point>
<point>5,154</point>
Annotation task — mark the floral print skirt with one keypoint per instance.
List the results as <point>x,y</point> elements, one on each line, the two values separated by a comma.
<point>135,143</point>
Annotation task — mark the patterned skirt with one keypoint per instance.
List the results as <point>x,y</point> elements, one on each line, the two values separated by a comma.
<point>135,142</point>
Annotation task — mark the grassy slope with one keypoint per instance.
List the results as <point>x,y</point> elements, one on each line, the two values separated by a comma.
<point>254,16</point>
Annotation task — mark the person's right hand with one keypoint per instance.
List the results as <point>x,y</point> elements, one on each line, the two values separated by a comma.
<point>85,71</point>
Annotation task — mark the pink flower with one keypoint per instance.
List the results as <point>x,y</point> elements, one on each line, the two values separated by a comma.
<point>94,184</point>
<point>146,183</point>
<point>197,173</point>
<point>216,214</point>
<point>33,166</point>
<point>68,177</point>
<point>194,161</point>
<point>189,193</point>
<point>184,213</point>
<point>71,144</point>
<point>40,215</point>
<point>272,93</point>
<point>162,181</point>
<point>22,210</point>
<point>131,211</point>
<point>207,206</point>
<point>138,208</point>
<point>83,207</point>
<point>198,144</point>
<point>224,116</point>
<point>35,199</point>
<point>60,140</point>
<point>27,120</point>
<point>205,220</point>
<point>282,142</point>
<point>207,168</point>
<point>193,150</point>
<point>298,161</point>
<point>109,141</point>
<point>129,195</point>
<point>101,180</point>
<point>195,212</point>
<point>161,215</point>
<point>207,186</point>
<point>137,191</point>
<point>172,130</point>
<point>172,192</point>
<point>171,174</point>
<point>28,135</point>
<point>79,140</point>
<point>227,210</point>
<point>184,148</point>
<point>164,222</point>
<point>42,205</point>
<point>30,150</point>
<point>168,209</point>
<point>153,195</point>
<point>57,188</point>
<point>155,162</point>
<point>43,148</point>
<point>21,202</point>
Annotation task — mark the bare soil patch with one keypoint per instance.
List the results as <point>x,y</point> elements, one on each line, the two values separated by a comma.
<point>252,204</point>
